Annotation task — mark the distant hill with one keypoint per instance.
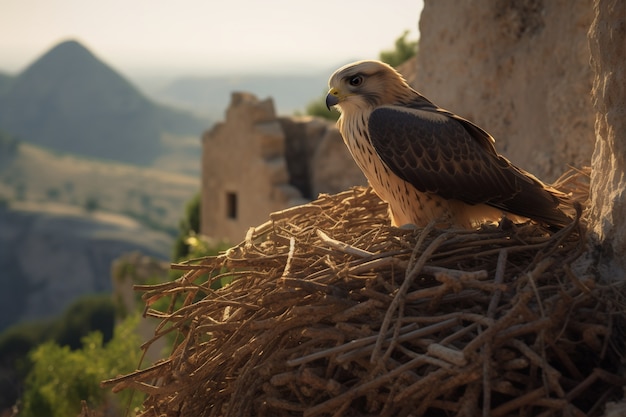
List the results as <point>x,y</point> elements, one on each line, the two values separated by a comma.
<point>154,197</point>
<point>70,101</point>
<point>209,96</point>
<point>64,219</point>
<point>5,82</point>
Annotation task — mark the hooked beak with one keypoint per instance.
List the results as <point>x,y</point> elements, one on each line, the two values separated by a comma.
<point>332,98</point>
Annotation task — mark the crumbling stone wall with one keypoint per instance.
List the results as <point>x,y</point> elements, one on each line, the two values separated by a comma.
<point>244,172</point>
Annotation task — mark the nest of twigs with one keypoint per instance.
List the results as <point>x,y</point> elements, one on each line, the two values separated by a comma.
<point>331,311</point>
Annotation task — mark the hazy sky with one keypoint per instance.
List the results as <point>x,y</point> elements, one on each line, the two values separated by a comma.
<point>206,36</point>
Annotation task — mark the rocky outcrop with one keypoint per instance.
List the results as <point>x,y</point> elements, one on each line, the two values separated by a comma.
<point>607,40</point>
<point>519,69</point>
<point>48,259</point>
<point>255,163</point>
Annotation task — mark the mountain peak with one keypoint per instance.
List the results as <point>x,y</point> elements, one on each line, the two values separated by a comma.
<point>70,48</point>
<point>69,100</point>
<point>65,61</point>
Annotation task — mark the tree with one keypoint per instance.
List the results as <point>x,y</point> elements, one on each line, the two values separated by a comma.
<point>87,314</point>
<point>404,50</point>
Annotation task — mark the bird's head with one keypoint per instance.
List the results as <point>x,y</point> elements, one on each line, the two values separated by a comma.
<point>364,85</point>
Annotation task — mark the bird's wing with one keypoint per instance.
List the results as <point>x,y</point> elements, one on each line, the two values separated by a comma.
<point>441,153</point>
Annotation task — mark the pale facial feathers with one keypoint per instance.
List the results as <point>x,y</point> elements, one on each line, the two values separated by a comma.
<point>368,84</point>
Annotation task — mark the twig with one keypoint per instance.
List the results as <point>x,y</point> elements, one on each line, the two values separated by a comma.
<point>408,280</point>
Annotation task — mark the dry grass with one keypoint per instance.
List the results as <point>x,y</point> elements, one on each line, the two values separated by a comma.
<point>332,312</point>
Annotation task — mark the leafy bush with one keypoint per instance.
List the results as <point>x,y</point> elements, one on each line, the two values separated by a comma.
<point>87,314</point>
<point>60,377</point>
<point>15,343</point>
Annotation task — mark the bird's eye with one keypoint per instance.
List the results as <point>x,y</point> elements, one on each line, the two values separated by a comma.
<point>356,80</point>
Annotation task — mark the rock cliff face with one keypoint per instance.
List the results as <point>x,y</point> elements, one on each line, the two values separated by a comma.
<point>519,69</point>
<point>607,39</point>
<point>48,259</point>
<point>255,163</point>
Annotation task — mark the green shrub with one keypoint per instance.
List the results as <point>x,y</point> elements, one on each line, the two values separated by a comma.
<point>60,377</point>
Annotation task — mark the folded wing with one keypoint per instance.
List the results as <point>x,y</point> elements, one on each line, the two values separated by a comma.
<point>441,153</point>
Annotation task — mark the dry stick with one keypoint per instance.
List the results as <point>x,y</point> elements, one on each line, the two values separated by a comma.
<point>469,401</point>
<point>361,389</point>
<point>548,379</point>
<point>413,336</point>
<point>419,389</point>
<point>353,344</point>
<point>519,402</point>
<point>597,373</point>
<point>520,329</point>
<point>452,356</point>
<point>408,280</point>
<point>427,359</point>
<point>121,381</point>
<point>407,333</point>
<point>552,375</point>
<point>467,376</point>
<point>396,332</point>
<point>388,260</point>
<point>289,212</point>
<point>491,311</point>
<point>341,246</point>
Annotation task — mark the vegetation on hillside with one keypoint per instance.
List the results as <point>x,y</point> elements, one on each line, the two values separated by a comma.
<point>8,145</point>
<point>403,50</point>
<point>93,313</point>
<point>61,378</point>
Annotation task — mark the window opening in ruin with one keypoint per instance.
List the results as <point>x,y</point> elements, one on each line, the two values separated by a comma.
<point>231,205</point>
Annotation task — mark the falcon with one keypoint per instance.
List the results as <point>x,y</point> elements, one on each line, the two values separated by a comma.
<point>428,163</point>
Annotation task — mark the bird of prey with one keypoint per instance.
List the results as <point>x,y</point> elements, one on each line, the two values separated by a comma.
<point>428,163</point>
